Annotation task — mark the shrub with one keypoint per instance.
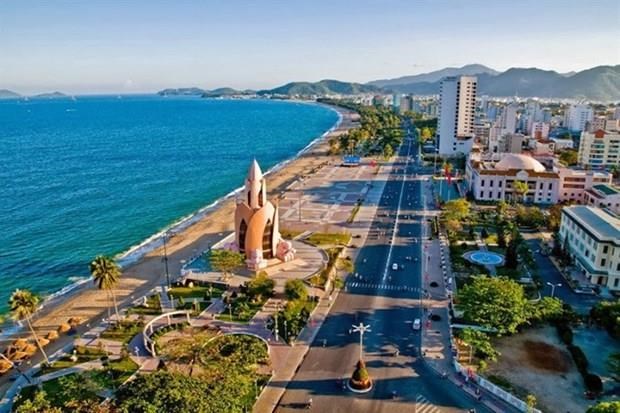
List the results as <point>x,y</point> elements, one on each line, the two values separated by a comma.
<point>580,358</point>
<point>593,383</point>
<point>565,332</point>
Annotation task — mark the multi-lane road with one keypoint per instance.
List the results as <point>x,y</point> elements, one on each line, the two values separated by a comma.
<point>388,301</point>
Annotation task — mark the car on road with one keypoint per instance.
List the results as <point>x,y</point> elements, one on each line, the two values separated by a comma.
<point>394,267</point>
<point>417,323</point>
<point>585,290</point>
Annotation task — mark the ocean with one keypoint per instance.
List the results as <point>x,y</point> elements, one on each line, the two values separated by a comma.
<point>99,175</point>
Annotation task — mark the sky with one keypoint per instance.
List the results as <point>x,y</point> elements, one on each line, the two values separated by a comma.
<point>133,46</point>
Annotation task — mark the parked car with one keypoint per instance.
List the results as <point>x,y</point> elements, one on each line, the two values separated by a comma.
<point>417,323</point>
<point>394,267</point>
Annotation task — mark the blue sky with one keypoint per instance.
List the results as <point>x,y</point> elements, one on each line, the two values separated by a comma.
<point>140,46</point>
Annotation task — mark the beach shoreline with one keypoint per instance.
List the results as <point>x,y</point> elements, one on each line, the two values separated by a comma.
<point>142,269</point>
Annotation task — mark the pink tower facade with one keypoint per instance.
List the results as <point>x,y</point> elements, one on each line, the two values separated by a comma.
<point>257,232</point>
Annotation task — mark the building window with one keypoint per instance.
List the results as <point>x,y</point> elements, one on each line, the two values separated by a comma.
<point>605,249</point>
<point>603,262</point>
<point>482,183</point>
<point>491,184</point>
<point>499,184</point>
<point>550,185</point>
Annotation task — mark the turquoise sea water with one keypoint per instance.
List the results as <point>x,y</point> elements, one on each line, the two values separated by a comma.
<point>98,175</point>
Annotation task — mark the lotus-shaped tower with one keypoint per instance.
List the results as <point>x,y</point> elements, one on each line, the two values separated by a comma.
<point>256,224</point>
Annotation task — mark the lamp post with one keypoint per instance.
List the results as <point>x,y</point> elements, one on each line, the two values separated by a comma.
<point>165,258</point>
<point>361,328</point>
<point>301,194</point>
<point>553,287</point>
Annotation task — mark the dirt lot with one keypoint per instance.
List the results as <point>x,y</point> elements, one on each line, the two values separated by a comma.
<point>536,362</point>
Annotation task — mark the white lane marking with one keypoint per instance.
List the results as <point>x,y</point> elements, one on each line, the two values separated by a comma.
<point>400,200</point>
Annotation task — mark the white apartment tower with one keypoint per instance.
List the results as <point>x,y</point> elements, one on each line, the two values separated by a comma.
<point>509,118</point>
<point>577,116</point>
<point>457,101</point>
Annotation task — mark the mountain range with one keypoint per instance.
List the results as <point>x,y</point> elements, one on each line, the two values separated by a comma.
<point>599,83</point>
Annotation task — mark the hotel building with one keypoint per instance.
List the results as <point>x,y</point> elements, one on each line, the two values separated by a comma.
<point>455,131</point>
<point>592,238</point>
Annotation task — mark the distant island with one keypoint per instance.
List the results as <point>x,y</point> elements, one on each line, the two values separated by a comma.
<point>8,94</point>
<point>214,93</point>
<point>51,95</point>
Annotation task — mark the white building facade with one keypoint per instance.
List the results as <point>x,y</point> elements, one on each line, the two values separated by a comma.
<point>455,124</point>
<point>577,117</point>
<point>599,149</point>
<point>592,238</point>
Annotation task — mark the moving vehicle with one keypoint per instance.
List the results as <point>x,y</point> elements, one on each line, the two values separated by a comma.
<point>394,267</point>
<point>417,323</point>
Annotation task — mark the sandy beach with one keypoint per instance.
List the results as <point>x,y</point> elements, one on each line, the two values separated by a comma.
<point>139,278</point>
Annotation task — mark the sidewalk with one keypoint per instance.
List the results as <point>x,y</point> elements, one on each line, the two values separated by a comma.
<point>437,348</point>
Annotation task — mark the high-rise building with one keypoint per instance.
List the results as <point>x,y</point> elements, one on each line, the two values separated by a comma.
<point>457,101</point>
<point>577,116</point>
<point>599,149</point>
<point>405,104</point>
<point>508,118</point>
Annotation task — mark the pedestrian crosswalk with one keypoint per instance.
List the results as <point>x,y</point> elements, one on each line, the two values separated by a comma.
<point>422,405</point>
<point>381,286</point>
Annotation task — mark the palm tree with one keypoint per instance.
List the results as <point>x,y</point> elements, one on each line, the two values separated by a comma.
<point>106,273</point>
<point>23,305</point>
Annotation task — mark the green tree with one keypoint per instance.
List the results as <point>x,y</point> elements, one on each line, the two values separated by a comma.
<point>388,152</point>
<point>38,404</point>
<point>425,134</point>
<point>187,349</point>
<point>453,226</point>
<point>605,407</point>
<point>546,309</point>
<point>260,287</point>
<point>613,363</point>
<point>520,188</point>
<point>295,290</point>
<point>480,342</point>
<point>22,305</point>
<point>512,256</point>
<point>569,157</point>
<point>493,302</point>
<point>458,209</point>
<point>78,387</point>
<point>225,261</point>
<point>531,401</point>
<point>500,210</point>
<point>106,273</point>
<point>554,217</point>
<point>484,234</point>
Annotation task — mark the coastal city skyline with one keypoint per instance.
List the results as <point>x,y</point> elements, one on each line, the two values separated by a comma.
<point>141,47</point>
<point>322,206</point>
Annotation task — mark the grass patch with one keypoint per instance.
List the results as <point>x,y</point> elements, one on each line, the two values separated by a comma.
<point>84,354</point>
<point>117,373</point>
<point>152,307</point>
<point>324,239</point>
<point>198,291</point>
<point>123,331</point>
<point>289,233</point>
<point>190,305</point>
<point>242,311</point>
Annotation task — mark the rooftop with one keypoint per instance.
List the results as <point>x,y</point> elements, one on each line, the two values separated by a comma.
<point>520,162</point>
<point>602,223</point>
<point>607,189</point>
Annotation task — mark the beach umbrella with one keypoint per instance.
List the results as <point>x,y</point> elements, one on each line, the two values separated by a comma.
<point>63,328</point>
<point>43,341</point>
<point>52,335</point>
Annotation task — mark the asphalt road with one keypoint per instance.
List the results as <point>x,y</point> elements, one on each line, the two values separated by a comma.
<point>387,301</point>
<point>550,274</point>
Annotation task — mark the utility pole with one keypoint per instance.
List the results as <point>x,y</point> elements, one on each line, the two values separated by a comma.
<point>165,239</point>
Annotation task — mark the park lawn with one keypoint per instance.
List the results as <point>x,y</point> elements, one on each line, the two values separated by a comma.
<point>84,354</point>
<point>189,305</point>
<point>197,291</point>
<point>121,370</point>
<point>123,331</point>
<point>153,307</point>
<point>322,239</point>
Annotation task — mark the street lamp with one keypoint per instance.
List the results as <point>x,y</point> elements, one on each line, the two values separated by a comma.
<point>361,328</point>
<point>301,194</point>
<point>553,287</point>
<point>166,235</point>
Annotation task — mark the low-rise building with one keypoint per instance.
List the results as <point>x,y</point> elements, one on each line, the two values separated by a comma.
<point>599,149</point>
<point>603,196</point>
<point>574,183</point>
<point>492,178</point>
<point>592,237</point>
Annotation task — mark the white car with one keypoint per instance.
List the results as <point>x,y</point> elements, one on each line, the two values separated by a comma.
<point>394,267</point>
<point>416,324</point>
